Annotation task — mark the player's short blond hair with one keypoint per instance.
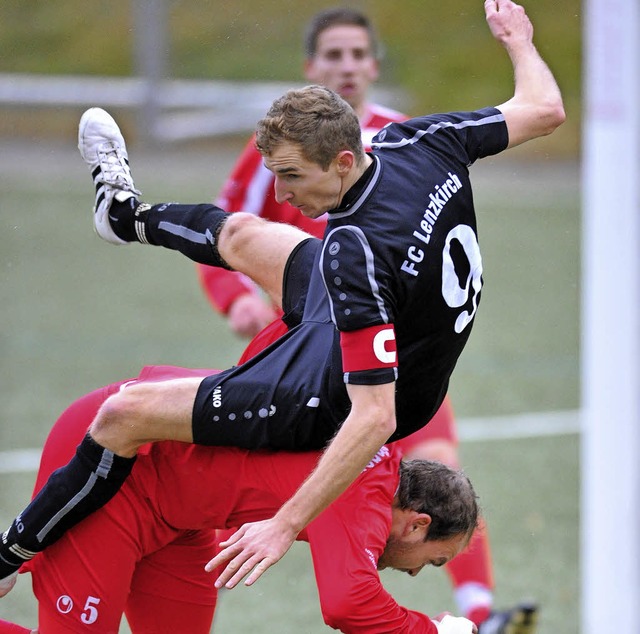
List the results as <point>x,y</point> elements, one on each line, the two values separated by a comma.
<point>314,118</point>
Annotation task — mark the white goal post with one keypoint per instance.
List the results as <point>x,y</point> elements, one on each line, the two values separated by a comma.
<point>610,523</point>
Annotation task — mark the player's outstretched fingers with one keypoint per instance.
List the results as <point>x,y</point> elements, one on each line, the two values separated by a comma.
<point>259,570</point>
<point>257,563</point>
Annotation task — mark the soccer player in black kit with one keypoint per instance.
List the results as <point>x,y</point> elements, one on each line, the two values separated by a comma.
<point>379,310</point>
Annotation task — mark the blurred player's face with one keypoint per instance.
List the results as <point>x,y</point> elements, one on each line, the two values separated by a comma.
<point>305,184</point>
<point>344,62</point>
<point>410,553</point>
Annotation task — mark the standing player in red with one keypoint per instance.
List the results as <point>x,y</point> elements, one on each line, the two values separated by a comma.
<point>342,52</point>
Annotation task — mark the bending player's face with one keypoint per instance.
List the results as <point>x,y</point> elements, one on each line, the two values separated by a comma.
<point>344,62</point>
<point>305,184</point>
<point>411,554</point>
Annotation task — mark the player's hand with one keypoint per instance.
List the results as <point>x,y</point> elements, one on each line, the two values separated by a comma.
<point>508,22</point>
<point>6,584</point>
<point>249,314</point>
<point>449,624</point>
<point>251,550</point>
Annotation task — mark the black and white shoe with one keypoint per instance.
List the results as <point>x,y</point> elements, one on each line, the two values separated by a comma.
<point>523,619</point>
<point>102,146</point>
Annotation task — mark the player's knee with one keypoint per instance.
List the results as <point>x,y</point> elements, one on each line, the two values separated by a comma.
<point>237,229</point>
<point>120,422</point>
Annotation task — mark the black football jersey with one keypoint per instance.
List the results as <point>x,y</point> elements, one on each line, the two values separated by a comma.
<point>400,258</point>
<point>404,250</point>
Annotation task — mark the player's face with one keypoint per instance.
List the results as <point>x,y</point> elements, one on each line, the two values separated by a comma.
<point>304,184</point>
<point>411,554</point>
<point>344,62</point>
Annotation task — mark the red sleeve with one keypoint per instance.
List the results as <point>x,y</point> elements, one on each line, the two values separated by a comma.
<point>249,188</point>
<point>245,189</point>
<point>346,541</point>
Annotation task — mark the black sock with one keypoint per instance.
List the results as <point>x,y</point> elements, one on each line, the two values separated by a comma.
<point>191,229</point>
<point>90,479</point>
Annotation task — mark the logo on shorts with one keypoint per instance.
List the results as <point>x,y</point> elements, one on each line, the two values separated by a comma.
<point>64,604</point>
<point>216,397</point>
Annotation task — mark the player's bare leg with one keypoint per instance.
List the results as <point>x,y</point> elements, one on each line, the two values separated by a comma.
<point>145,412</point>
<point>260,249</point>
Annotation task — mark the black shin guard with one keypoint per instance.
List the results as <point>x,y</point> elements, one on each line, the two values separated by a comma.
<point>191,229</point>
<point>91,478</point>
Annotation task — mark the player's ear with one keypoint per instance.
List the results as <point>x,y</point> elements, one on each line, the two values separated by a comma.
<point>417,522</point>
<point>345,161</point>
<point>375,71</point>
<point>309,70</point>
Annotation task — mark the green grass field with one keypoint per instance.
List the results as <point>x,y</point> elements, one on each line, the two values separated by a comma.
<point>78,313</point>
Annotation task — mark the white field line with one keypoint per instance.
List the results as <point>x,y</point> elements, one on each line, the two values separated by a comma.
<point>19,460</point>
<point>469,430</point>
<point>528,425</point>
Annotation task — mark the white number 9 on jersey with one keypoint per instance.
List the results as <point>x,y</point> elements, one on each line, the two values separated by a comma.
<point>457,292</point>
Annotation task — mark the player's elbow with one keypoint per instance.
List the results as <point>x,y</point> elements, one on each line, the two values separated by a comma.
<point>388,427</point>
<point>382,423</point>
<point>339,615</point>
<point>527,119</point>
<point>342,622</point>
<point>374,409</point>
<point>551,115</point>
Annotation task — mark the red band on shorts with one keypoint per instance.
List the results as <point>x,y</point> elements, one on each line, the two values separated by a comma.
<point>369,348</point>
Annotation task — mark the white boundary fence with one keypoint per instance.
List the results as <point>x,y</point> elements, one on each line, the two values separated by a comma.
<point>169,110</point>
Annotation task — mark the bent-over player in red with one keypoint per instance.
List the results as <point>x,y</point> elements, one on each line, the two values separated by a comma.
<point>143,553</point>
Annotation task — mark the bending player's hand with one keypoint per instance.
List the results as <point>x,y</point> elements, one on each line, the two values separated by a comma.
<point>450,624</point>
<point>251,550</point>
<point>6,584</point>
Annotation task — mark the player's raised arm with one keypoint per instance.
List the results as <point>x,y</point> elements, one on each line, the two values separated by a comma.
<point>536,108</point>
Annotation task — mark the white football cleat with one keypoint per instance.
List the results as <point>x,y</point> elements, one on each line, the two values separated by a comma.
<point>102,146</point>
